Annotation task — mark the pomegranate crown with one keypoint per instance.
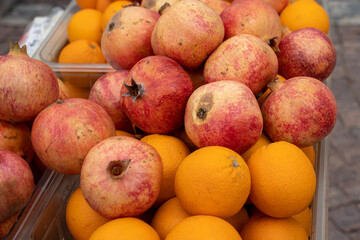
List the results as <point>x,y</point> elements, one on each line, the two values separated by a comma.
<point>16,49</point>
<point>135,90</point>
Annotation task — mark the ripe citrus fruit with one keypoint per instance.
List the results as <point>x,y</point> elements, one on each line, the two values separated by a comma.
<point>263,141</point>
<point>283,180</point>
<point>125,229</point>
<point>203,227</point>
<point>81,219</point>
<point>81,51</point>
<point>110,10</point>
<point>85,24</point>
<point>86,3</point>
<point>302,14</point>
<point>238,220</point>
<point>267,228</point>
<point>310,153</point>
<point>101,5</point>
<point>124,133</point>
<point>76,92</point>
<point>213,180</point>
<point>305,219</point>
<point>168,216</point>
<point>172,152</point>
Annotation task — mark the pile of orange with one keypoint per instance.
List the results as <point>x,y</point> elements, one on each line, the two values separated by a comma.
<point>213,193</point>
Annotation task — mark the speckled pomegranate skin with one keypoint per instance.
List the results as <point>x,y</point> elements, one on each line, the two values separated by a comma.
<point>129,195</point>
<point>63,133</point>
<point>127,36</point>
<point>16,184</point>
<point>243,58</point>
<point>306,52</point>
<point>255,17</point>
<point>301,111</point>
<point>188,32</point>
<point>167,87</point>
<point>106,93</point>
<point>223,113</point>
<point>27,86</point>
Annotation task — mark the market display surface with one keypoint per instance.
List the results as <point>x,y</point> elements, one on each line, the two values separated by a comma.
<point>205,124</point>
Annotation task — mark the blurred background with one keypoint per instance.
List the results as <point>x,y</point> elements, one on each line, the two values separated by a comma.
<point>344,161</point>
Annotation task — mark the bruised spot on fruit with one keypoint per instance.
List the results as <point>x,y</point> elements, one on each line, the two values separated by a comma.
<point>204,106</point>
<point>117,168</point>
<point>92,46</point>
<point>59,101</point>
<point>111,26</point>
<point>235,163</point>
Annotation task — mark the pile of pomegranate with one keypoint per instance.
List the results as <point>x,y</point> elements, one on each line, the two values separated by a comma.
<point>186,69</point>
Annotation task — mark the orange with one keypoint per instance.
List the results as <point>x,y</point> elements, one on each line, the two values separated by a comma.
<point>263,141</point>
<point>203,227</point>
<point>267,228</point>
<point>213,180</point>
<point>238,220</point>
<point>283,180</point>
<point>172,152</point>
<point>81,219</point>
<point>125,229</point>
<point>263,96</point>
<point>101,5</point>
<point>305,218</point>
<point>81,51</point>
<point>86,3</point>
<point>302,14</point>
<point>310,153</point>
<point>124,133</point>
<point>77,92</point>
<point>85,24</point>
<point>168,216</point>
<point>110,10</point>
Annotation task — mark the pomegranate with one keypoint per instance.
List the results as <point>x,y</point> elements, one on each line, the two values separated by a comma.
<point>15,137</point>
<point>278,5</point>
<point>63,133</point>
<point>6,225</point>
<point>188,32</point>
<point>121,177</point>
<point>155,93</point>
<point>255,17</point>
<point>106,93</point>
<point>306,52</point>
<point>127,36</point>
<point>155,5</point>
<point>27,86</point>
<point>301,110</point>
<point>223,113</point>
<point>243,58</point>
<point>217,5</point>
<point>16,184</point>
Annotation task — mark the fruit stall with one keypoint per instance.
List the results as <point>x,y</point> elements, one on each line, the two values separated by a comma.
<point>143,103</point>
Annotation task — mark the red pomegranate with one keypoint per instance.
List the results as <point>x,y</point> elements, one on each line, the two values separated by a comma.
<point>121,177</point>
<point>223,113</point>
<point>306,52</point>
<point>301,110</point>
<point>16,184</point>
<point>155,93</point>
<point>278,5</point>
<point>63,133</point>
<point>27,86</point>
<point>188,32</point>
<point>127,36</point>
<point>243,58</point>
<point>255,17</point>
<point>15,137</point>
<point>106,93</point>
